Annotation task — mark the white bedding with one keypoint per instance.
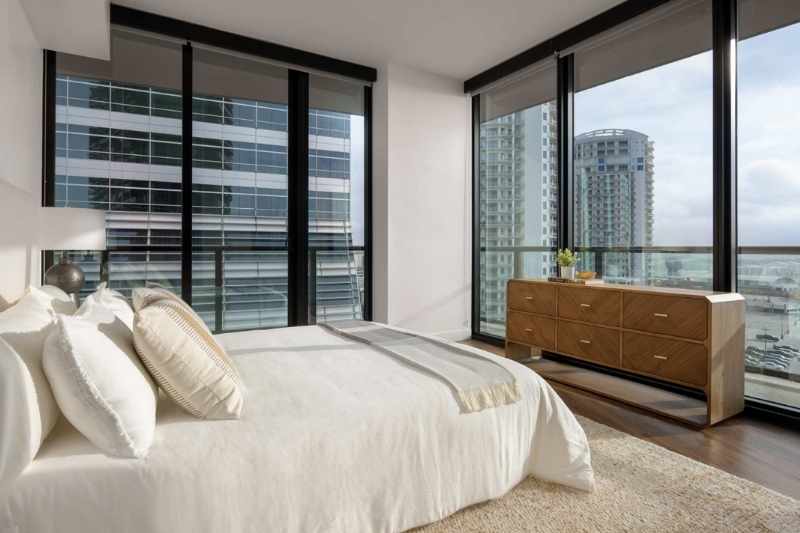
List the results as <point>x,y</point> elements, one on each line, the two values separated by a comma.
<point>334,437</point>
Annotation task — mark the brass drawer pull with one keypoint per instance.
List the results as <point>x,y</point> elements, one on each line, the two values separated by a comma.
<point>662,357</point>
<point>661,315</point>
<point>529,297</point>
<point>528,330</point>
<point>584,341</point>
<point>586,306</point>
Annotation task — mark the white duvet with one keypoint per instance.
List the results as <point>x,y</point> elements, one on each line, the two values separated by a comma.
<point>335,436</point>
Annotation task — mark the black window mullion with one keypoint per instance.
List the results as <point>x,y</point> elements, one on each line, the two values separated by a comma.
<point>186,175</point>
<point>298,199</point>
<point>476,215</point>
<point>367,306</point>
<point>49,130</point>
<point>724,149</point>
<point>566,134</point>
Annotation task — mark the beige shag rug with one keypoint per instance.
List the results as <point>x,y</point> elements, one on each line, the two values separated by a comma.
<point>641,487</point>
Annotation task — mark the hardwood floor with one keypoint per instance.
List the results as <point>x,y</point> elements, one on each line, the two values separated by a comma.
<point>759,450</point>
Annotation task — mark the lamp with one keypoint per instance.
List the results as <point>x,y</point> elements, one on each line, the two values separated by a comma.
<point>70,229</point>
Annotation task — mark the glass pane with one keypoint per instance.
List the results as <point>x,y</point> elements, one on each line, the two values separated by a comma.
<point>118,149</point>
<point>643,159</point>
<point>518,194</point>
<point>255,293</point>
<point>768,211</point>
<point>239,190</point>
<point>336,199</point>
<point>128,270</point>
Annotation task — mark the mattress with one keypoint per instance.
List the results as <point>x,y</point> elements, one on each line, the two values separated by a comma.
<point>335,436</point>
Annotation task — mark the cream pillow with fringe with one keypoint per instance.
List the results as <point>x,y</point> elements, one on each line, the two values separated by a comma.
<point>185,359</point>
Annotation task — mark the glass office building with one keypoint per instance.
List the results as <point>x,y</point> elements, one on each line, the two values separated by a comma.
<point>118,148</point>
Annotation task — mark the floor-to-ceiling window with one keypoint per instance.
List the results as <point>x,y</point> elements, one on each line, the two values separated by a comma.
<point>118,148</point>
<point>643,149</point>
<point>769,196</point>
<point>336,211</point>
<point>518,187</point>
<point>118,131</point>
<point>239,190</point>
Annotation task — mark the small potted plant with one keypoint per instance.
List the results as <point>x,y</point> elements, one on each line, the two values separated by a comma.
<point>566,259</point>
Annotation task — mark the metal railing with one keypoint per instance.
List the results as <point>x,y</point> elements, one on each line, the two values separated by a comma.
<point>154,257</point>
<point>594,257</point>
<point>769,278</point>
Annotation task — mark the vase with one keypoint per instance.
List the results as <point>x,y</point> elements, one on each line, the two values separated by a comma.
<point>568,272</point>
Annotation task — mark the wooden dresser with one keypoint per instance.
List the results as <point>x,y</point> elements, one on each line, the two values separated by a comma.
<point>693,339</point>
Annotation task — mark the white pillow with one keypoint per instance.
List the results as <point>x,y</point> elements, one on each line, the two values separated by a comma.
<point>99,382</point>
<point>113,301</point>
<point>28,410</point>
<point>61,302</point>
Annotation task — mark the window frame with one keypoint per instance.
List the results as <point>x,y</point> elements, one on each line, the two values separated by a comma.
<point>724,146</point>
<point>301,310</point>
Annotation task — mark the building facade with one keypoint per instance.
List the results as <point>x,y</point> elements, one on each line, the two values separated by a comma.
<point>614,189</point>
<point>519,204</point>
<point>118,148</point>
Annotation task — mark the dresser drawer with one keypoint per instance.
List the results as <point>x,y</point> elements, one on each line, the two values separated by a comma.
<point>674,360</point>
<point>671,315</point>
<point>532,330</point>
<point>532,297</point>
<point>600,345</point>
<point>599,306</point>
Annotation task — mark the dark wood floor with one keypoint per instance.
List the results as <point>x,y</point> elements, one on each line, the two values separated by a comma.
<point>762,451</point>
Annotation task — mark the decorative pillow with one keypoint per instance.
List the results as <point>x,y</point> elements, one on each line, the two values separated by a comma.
<point>186,360</point>
<point>99,382</point>
<point>144,296</point>
<point>113,301</point>
<point>28,410</point>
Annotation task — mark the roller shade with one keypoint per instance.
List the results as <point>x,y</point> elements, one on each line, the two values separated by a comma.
<point>332,94</point>
<point>229,75</point>
<point>135,59</point>
<point>675,31</point>
<point>536,87</point>
<point>761,16</point>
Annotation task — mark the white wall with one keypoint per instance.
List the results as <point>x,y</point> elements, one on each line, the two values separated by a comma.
<point>421,213</point>
<point>20,150</point>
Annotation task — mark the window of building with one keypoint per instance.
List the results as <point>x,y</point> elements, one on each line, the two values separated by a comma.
<point>119,147</point>
<point>769,197</point>
<point>640,87</point>
<point>239,190</point>
<point>525,104</point>
<point>336,199</point>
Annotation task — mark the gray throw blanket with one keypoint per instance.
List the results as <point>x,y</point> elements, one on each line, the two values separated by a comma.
<point>477,382</point>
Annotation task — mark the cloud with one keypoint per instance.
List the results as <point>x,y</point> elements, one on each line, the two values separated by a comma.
<point>672,104</point>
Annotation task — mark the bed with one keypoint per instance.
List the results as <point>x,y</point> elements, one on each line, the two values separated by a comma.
<point>335,436</point>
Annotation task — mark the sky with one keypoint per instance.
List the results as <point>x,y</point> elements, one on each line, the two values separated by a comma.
<point>672,104</point>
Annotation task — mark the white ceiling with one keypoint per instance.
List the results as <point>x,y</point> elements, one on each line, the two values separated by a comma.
<point>456,38</point>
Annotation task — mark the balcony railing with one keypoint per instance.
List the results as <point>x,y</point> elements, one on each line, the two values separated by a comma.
<point>236,287</point>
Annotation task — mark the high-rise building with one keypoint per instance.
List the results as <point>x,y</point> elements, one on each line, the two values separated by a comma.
<point>614,198</point>
<point>519,203</point>
<point>118,148</point>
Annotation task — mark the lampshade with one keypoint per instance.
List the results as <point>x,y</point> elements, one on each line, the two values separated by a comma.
<point>62,228</point>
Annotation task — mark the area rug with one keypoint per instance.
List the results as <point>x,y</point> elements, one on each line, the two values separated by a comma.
<point>641,487</point>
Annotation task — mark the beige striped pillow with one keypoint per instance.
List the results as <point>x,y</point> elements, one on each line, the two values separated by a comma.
<point>185,359</point>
